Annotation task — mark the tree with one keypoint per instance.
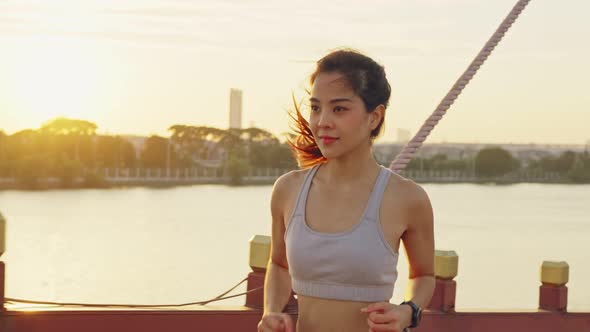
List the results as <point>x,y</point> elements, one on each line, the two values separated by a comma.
<point>67,171</point>
<point>237,169</point>
<point>492,162</point>
<point>281,156</point>
<point>258,135</point>
<point>72,137</point>
<point>580,170</point>
<point>155,152</point>
<point>193,140</point>
<point>236,161</point>
<point>114,151</point>
<point>562,164</point>
<point>65,126</point>
<point>439,162</point>
<point>259,146</point>
<point>30,169</point>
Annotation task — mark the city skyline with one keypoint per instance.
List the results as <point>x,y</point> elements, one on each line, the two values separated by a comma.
<point>139,67</point>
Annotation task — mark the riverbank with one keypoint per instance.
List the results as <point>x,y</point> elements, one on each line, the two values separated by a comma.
<point>81,183</point>
<point>52,184</point>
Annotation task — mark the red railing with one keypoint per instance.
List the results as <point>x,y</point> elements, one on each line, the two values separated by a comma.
<point>440,316</point>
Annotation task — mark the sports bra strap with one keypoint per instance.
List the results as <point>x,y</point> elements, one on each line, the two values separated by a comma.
<point>301,199</point>
<point>374,204</point>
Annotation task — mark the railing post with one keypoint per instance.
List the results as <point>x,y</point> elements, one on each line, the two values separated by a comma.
<point>446,265</point>
<point>553,290</point>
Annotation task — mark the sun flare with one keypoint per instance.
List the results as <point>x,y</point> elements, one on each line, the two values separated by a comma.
<point>54,77</point>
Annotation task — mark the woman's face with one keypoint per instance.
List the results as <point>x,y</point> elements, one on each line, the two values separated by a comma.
<point>338,117</point>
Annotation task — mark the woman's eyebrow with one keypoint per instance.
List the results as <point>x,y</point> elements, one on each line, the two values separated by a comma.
<point>335,100</point>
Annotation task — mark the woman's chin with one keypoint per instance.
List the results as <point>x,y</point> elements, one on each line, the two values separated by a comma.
<point>330,154</point>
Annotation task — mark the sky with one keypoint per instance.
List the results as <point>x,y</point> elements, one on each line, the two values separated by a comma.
<point>139,67</point>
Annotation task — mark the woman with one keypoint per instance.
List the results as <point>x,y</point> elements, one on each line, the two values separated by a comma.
<point>337,224</point>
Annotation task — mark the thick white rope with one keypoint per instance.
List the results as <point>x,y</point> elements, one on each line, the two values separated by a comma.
<point>404,157</point>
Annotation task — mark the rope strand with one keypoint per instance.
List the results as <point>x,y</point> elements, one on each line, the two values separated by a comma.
<point>104,305</point>
<point>408,152</point>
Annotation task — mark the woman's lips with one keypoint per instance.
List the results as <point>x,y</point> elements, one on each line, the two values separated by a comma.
<point>327,140</point>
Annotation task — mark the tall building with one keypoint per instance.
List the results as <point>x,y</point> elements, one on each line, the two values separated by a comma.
<point>235,108</point>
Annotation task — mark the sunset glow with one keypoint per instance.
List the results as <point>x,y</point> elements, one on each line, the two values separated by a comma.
<point>142,66</point>
<point>53,77</point>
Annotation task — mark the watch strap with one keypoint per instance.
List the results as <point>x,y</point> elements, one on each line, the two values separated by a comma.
<point>415,314</point>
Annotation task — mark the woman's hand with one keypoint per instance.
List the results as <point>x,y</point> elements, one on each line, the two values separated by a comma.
<point>387,317</point>
<point>276,322</point>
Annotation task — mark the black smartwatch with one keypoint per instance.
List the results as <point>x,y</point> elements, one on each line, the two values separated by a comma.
<point>416,313</point>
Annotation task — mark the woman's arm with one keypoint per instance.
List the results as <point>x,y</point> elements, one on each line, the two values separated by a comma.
<point>418,240</point>
<point>277,283</point>
<point>277,288</point>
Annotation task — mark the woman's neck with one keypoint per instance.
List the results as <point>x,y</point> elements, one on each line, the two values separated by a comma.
<point>351,167</point>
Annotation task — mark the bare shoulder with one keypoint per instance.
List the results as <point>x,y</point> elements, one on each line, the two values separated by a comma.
<point>286,182</point>
<point>408,195</point>
<point>285,187</point>
<point>399,185</point>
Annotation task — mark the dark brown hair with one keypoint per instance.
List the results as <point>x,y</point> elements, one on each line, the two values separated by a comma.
<point>366,78</point>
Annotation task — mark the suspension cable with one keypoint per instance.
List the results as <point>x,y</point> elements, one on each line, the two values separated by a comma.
<point>403,158</point>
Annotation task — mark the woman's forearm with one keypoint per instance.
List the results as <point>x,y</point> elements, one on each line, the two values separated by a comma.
<point>420,290</point>
<point>277,288</point>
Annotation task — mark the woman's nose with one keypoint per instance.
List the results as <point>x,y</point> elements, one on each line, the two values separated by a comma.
<point>324,120</point>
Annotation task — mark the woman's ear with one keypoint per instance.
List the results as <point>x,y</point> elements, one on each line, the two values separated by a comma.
<point>376,116</point>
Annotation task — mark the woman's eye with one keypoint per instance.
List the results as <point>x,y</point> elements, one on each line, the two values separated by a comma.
<point>339,109</point>
<point>314,108</point>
